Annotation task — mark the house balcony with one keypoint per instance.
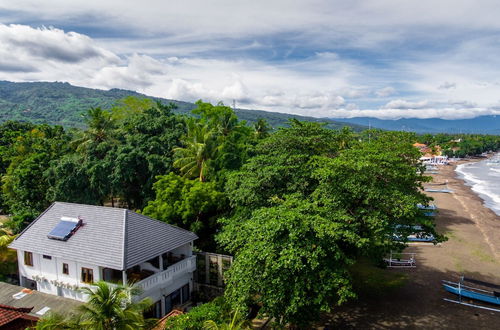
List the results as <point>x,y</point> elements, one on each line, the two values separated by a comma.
<point>167,276</point>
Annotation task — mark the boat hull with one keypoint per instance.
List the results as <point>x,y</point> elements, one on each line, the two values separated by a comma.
<point>472,295</point>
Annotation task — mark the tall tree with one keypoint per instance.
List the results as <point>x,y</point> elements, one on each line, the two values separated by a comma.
<point>309,204</point>
<point>189,204</point>
<point>200,147</point>
<point>146,152</point>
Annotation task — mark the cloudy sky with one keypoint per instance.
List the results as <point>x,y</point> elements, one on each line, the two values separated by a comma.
<point>380,58</point>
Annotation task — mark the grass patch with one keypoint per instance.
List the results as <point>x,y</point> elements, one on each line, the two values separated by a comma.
<point>483,256</point>
<point>458,265</point>
<point>370,280</point>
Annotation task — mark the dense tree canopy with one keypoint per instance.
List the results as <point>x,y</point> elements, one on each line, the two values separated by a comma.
<point>296,207</point>
<point>309,204</point>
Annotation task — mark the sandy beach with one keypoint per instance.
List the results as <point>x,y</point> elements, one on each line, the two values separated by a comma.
<point>472,249</point>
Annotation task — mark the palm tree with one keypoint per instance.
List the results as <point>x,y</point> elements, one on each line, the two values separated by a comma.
<point>235,324</point>
<point>200,146</point>
<point>54,321</point>
<point>111,308</point>
<point>261,128</point>
<point>100,128</point>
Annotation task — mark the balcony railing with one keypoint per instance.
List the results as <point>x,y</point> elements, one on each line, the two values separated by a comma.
<point>168,275</point>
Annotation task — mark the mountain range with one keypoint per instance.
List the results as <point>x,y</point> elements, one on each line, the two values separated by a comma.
<point>64,104</point>
<point>477,125</point>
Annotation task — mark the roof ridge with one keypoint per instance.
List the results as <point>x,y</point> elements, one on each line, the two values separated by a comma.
<point>163,222</point>
<point>90,205</point>
<point>17,309</point>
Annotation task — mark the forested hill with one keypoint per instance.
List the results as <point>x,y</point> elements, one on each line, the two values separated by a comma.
<point>63,104</point>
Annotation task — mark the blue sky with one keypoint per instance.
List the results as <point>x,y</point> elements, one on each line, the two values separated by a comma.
<point>380,58</point>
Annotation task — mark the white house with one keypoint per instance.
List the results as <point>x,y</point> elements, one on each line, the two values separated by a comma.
<point>70,246</point>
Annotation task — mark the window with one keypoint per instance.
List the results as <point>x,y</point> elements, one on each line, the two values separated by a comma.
<point>47,257</point>
<point>65,269</point>
<point>87,275</point>
<point>28,258</point>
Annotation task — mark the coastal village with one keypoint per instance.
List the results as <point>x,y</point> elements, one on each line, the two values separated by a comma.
<point>243,165</point>
<point>70,247</point>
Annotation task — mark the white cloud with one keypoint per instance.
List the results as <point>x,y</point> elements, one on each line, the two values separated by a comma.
<point>445,113</point>
<point>386,91</point>
<point>403,104</point>
<point>314,58</point>
<point>447,85</point>
<point>51,44</point>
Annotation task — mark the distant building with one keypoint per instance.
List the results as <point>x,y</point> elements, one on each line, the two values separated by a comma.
<point>70,246</point>
<point>16,318</point>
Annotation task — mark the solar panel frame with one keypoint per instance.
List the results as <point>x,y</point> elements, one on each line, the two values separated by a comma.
<point>64,230</point>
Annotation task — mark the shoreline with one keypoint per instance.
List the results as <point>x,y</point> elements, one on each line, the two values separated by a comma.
<point>486,220</point>
<point>488,199</point>
<point>472,249</point>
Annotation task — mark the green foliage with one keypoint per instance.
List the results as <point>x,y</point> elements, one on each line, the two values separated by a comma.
<point>149,138</point>
<point>214,144</point>
<point>69,181</point>
<point>200,148</point>
<point>189,204</point>
<point>24,185</point>
<point>62,104</point>
<point>108,308</point>
<point>461,145</point>
<point>308,205</point>
<point>283,164</point>
<point>236,323</point>
<point>289,259</point>
<point>217,310</point>
<point>8,257</point>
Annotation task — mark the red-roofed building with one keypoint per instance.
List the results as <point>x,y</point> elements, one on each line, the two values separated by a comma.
<point>14,318</point>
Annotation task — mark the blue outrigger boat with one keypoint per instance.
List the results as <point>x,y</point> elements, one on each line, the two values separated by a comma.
<point>416,234</point>
<point>490,295</point>
<point>428,210</point>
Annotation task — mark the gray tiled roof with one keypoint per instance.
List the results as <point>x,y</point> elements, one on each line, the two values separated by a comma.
<point>110,237</point>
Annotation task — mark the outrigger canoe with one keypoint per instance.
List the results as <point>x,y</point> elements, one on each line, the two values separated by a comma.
<point>490,295</point>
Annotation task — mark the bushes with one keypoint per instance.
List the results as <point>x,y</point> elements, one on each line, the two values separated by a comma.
<point>217,310</point>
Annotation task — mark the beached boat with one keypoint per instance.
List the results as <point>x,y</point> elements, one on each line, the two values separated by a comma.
<point>401,260</point>
<point>417,234</point>
<point>444,190</point>
<point>477,290</point>
<point>428,210</point>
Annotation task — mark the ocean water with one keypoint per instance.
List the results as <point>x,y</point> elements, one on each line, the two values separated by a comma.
<point>484,179</point>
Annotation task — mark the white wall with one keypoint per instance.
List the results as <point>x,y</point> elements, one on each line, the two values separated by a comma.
<point>186,249</point>
<point>51,270</point>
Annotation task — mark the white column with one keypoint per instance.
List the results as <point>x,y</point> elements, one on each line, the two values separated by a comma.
<point>162,304</point>
<point>124,277</point>
<point>161,263</point>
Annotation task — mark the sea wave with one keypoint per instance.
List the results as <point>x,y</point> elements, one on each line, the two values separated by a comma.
<point>484,180</point>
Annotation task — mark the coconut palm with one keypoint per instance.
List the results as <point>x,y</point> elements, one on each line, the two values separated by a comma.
<point>261,129</point>
<point>100,128</point>
<point>235,324</point>
<point>200,147</point>
<point>111,308</point>
<point>54,321</point>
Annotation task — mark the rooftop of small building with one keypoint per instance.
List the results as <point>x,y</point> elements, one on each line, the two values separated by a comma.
<point>36,299</point>
<point>109,237</point>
